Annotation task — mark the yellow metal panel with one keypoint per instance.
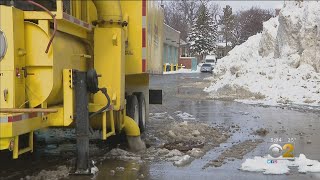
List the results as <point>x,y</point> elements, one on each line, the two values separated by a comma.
<point>134,48</point>
<point>109,62</point>
<point>71,28</point>
<point>6,85</point>
<point>56,119</point>
<point>11,74</point>
<point>137,80</point>
<point>28,125</point>
<point>38,15</point>
<point>4,143</point>
<point>5,130</point>
<point>68,97</point>
<point>155,19</point>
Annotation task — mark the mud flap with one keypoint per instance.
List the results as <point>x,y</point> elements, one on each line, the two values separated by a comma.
<point>155,96</point>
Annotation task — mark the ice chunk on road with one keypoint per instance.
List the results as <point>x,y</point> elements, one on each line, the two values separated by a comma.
<point>196,152</point>
<point>186,159</point>
<point>94,168</point>
<point>185,116</point>
<point>260,164</point>
<point>174,153</point>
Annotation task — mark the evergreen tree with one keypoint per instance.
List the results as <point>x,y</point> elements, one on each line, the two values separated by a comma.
<point>228,24</point>
<point>202,37</point>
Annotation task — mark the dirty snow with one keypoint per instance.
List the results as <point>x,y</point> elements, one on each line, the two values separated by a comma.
<point>278,66</point>
<point>121,154</point>
<point>60,173</point>
<point>178,141</point>
<point>259,164</point>
<point>184,115</point>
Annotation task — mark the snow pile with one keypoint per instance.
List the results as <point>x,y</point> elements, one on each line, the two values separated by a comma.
<point>260,164</point>
<point>279,66</point>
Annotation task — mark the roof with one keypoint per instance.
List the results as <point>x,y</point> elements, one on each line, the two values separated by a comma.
<point>171,27</point>
<point>182,42</point>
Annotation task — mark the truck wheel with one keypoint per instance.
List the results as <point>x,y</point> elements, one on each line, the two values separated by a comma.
<point>142,112</point>
<point>133,108</point>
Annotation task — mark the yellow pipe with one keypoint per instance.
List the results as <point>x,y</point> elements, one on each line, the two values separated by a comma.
<point>109,10</point>
<point>131,128</point>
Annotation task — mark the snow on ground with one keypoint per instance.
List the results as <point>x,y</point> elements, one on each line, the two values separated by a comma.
<point>260,164</point>
<point>278,66</point>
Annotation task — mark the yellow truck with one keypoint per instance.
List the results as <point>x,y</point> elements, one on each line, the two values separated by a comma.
<point>77,64</point>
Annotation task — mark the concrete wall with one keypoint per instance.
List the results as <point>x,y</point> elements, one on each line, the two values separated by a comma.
<point>171,45</point>
<point>188,62</point>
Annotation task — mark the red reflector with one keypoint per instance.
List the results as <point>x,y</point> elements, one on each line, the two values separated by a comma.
<point>144,7</point>
<point>143,37</point>
<point>14,118</point>
<point>143,65</point>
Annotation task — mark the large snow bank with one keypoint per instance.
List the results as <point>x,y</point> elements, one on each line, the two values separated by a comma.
<point>278,66</point>
<point>260,164</point>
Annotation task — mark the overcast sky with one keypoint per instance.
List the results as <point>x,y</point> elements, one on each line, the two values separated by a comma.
<point>240,5</point>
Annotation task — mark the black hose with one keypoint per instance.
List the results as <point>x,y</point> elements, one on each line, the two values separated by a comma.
<point>104,91</point>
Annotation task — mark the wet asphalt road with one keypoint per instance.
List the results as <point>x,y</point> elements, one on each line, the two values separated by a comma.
<point>282,122</point>
<point>183,92</point>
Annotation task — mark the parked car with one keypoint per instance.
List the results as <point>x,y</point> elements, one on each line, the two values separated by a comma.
<point>206,68</point>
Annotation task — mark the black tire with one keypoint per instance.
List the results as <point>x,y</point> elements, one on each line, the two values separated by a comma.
<point>133,108</point>
<point>142,110</point>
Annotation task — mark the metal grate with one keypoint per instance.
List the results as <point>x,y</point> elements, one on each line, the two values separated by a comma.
<point>49,4</point>
<point>67,6</point>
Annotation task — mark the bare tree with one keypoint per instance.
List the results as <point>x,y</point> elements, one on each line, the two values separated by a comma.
<point>215,10</point>
<point>250,22</point>
<point>228,23</point>
<point>181,14</point>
